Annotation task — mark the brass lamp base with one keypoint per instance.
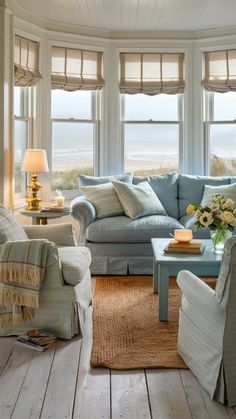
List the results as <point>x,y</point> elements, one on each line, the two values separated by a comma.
<point>33,200</point>
<point>33,204</point>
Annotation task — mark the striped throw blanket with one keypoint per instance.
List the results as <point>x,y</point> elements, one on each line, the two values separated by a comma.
<point>22,266</point>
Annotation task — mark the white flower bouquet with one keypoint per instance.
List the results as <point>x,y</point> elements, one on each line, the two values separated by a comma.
<point>219,216</point>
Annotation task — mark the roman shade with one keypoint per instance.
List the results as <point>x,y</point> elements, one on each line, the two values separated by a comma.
<point>75,69</point>
<point>26,62</point>
<point>220,71</point>
<point>151,73</point>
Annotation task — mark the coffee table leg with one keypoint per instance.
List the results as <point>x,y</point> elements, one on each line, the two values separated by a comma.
<point>163,288</point>
<point>155,277</point>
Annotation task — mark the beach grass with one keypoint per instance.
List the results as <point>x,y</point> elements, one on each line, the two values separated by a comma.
<point>68,179</point>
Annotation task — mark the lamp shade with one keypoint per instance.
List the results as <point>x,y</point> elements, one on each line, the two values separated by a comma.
<point>35,160</point>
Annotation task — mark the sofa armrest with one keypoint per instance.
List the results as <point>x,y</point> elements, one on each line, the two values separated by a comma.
<point>85,213</point>
<point>61,234</point>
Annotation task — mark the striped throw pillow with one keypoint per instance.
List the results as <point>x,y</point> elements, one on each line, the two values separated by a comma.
<point>104,199</point>
<point>138,200</point>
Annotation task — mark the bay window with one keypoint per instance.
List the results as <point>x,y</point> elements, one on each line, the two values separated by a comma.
<point>220,112</point>
<point>75,99</point>
<point>151,86</point>
<point>26,76</point>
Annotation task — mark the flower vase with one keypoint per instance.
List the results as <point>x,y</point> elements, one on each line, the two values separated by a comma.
<point>219,238</point>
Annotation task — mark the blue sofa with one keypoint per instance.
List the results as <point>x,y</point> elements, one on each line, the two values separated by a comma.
<point>120,245</point>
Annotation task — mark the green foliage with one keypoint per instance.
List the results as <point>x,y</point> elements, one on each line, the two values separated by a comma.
<point>65,180</point>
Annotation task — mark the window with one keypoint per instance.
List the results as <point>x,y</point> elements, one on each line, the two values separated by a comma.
<point>26,76</point>
<point>152,131</point>
<point>219,81</point>
<point>220,133</point>
<point>23,121</point>
<point>151,84</point>
<point>74,137</point>
<point>76,82</point>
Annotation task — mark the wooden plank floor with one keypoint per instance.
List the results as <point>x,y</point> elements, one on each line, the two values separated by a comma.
<point>59,383</point>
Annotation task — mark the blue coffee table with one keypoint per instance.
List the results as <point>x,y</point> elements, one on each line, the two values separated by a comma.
<point>165,265</point>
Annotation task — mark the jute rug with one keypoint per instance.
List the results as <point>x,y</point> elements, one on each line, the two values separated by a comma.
<point>126,330</point>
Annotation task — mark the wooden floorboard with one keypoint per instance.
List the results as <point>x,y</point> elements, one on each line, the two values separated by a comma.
<point>60,383</point>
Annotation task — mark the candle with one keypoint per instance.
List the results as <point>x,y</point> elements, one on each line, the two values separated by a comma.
<point>60,201</point>
<point>184,236</point>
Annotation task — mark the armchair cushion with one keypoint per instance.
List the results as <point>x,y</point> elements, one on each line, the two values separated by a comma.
<point>10,229</point>
<point>75,263</point>
<point>61,234</point>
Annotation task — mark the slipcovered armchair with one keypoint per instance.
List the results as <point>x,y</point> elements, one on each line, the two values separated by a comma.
<point>207,328</point>
<point>65,293</point>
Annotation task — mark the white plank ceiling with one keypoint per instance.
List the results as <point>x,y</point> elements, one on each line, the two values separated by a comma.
<point>136,15</point>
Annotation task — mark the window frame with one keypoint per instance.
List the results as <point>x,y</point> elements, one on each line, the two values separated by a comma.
<point>27,103</point>
<point>95,120</point>
<point>179,122</point>
<point>208,122</point>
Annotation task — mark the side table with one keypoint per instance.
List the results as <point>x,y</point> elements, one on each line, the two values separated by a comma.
<point>41,217</point>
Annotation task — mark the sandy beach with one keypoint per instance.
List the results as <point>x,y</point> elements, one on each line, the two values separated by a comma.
<point>131,165</point>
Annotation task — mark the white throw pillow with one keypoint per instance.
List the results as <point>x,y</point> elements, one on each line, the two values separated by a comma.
<point>138,200</point>
<point>104,199</point>
<point>228,191</point>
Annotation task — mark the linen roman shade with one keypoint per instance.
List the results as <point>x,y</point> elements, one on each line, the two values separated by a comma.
<point>220,71</point>
<point>75,69</point>
<point>151,73</point>
<point>26,62</point>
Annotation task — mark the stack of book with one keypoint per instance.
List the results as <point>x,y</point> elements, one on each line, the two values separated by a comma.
<point>180,247</point>
<point>38,339</point>
<point>55,208</point>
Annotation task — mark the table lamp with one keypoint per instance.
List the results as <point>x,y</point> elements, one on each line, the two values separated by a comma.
<point>34,161</point>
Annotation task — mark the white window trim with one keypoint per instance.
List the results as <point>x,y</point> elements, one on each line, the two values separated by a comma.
<point>209,121</point>
<point>95,120</point>
<point>179,122</point>
<point>28,112</point>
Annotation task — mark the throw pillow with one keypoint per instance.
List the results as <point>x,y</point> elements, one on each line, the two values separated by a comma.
<point>10,229</point>
<point>138,200</point>
<point>85,180</point>
<point>228,191</point>
<point>104,199</point>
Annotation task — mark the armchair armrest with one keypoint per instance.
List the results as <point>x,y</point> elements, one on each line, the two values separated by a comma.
<point>61,234</point>
<point>199,304</point>
<point>191,285</point>
<point>85,213</point>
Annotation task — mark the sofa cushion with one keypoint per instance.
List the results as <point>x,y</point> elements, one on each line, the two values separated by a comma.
<point>125,230</point>
<point>191,189</point>
<point>166,188</point>
<point>98,180</point>
<point>104,199</point>
<point>75,262</point>
<point>138,200</point>
<point>228,191</point>
<point>10,229</point>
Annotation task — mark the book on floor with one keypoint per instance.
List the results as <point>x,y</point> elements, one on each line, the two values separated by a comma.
<point>38,339</point>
